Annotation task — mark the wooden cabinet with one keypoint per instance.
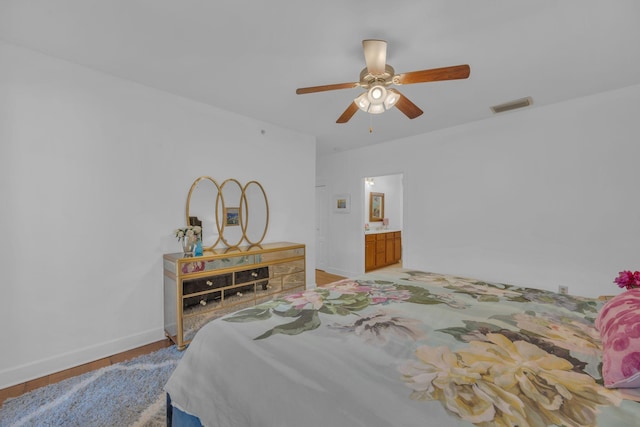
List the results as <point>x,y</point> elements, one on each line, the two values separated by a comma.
<point>382,249</point>
<point>370,252</point>
<point>198,289</point>
<point>390,248</point>
<point>397,246</point>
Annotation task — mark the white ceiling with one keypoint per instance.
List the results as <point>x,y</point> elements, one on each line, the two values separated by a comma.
<point>249,56</point>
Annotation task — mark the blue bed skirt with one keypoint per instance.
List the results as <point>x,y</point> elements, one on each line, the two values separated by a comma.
<point>178,418</point>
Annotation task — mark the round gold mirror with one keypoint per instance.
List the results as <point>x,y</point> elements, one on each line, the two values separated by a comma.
<point>254,209</point>
<point>201,209</point>
<point>228,213</point>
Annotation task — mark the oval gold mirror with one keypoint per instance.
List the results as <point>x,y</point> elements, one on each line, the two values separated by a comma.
<point>254,209</point>
<point>201,209</point>
<point>228,213</point>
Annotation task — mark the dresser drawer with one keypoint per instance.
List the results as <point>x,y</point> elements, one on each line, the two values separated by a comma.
<point>253,275</point>
<point>193,286</point>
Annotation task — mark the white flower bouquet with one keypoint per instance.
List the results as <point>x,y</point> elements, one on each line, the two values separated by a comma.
<point>189,232</point>
<point>188,236</point>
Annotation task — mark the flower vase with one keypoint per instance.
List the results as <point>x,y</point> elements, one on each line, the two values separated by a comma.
<point>188,243</point>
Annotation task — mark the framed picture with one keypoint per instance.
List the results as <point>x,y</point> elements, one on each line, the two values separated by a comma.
<point>342,203</point>
<point>376,207</point>
<point>231,216</point>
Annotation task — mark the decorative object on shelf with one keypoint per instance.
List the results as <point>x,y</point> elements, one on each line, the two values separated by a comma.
<point>627,279</point>
<point>342,203</point>
<point>188,236</point>
<point>376,206</point>
<point>198,250</point>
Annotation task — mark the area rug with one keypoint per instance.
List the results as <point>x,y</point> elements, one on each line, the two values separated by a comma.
<point>125,394</point>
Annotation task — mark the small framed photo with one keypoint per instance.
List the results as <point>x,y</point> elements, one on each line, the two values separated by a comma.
<point>342,203</point>
<point>231,216</point>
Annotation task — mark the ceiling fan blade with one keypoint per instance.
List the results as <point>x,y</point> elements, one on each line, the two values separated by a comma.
<point>436,74</point>
<point>325,88</point>
<point>375,55</point>
<point>410,109</point>
<point>348,113</point>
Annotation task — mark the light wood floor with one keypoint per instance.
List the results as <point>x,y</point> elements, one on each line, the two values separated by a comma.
<point>322,278</point>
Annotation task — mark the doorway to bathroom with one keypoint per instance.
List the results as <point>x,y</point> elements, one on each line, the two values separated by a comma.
<point>383,220</point>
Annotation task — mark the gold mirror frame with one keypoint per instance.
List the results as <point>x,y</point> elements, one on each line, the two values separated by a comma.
<point>191,190</point>
<point>245,224</point>
<point>376,207</point>
<point>221,215</point>
<point>221,211</point>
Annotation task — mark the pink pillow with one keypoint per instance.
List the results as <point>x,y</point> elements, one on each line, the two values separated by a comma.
<point>619,325</point>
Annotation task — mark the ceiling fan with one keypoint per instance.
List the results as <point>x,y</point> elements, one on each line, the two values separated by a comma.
<point>377,77</point>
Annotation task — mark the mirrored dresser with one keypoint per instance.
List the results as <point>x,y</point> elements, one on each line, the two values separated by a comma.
<point>198,289</point>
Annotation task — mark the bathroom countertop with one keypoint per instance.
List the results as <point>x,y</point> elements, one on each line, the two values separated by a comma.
<point>378,231</point>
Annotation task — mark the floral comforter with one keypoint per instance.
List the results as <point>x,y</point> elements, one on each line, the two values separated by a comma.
<point>403,349</point>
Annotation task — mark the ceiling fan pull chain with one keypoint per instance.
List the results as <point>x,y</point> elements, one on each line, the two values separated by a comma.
<point>370,123</point>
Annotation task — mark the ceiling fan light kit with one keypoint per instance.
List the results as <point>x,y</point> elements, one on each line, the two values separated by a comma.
<point>378,76</point>
<point>392,97</point>
<point>377,99</point>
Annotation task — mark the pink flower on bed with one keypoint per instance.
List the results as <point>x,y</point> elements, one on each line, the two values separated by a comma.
<point>378,293</point>
<point>302,299</point>
<point>383,294</point>
<point>348,286</point>
<point>627,279</point>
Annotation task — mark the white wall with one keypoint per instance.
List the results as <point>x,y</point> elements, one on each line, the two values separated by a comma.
<point>95,173</point>
<point>537,197</point>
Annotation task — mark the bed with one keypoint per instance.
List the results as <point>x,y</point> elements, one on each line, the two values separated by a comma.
<point>401,348</point>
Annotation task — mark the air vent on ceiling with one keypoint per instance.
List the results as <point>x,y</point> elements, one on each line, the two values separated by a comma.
<point>512,105</point>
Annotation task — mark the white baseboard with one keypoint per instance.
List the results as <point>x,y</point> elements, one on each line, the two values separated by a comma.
<point>40,368</point>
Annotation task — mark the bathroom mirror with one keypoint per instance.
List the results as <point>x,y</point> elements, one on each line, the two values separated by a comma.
<point>254,209</point>
<point>376,207</point>
<point>201,206</point>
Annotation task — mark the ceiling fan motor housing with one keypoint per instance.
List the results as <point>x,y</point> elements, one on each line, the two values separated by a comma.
<point>367,79</point>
